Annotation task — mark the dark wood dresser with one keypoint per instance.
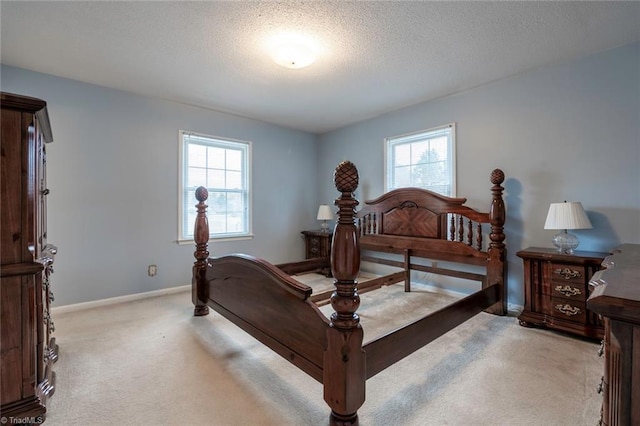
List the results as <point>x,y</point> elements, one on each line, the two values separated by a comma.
<point>556,291</point>
<point>616,296</point>
<point>27,348</point>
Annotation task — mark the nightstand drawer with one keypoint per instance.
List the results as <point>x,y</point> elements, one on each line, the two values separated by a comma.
<point>568,310</point>
<point>314,246</point>
<point>569,290</point>
<point>562,273</point>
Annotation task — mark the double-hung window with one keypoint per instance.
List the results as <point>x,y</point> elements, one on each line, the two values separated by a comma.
<point>223,167</point>
<point>424,159</point>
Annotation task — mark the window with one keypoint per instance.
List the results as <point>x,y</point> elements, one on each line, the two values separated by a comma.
<point>222,166</point>
<point>424,159</point>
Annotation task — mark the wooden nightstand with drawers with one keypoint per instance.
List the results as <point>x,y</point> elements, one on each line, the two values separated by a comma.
<point>317,243</point>
<point>557,288</point>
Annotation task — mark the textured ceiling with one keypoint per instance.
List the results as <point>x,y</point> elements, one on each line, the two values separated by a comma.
<point>373,57</point>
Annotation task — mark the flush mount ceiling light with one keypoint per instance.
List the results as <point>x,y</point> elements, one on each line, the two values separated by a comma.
<point>292,51</point>
<point>293,56</point>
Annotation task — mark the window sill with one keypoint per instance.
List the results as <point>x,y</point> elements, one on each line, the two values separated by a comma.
<point>216,240</point>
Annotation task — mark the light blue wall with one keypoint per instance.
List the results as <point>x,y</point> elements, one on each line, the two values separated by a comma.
<point>113,170</point>
<point>569,131</point>
<point>563,132</point>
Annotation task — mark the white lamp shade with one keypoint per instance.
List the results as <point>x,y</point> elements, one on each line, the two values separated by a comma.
<point>567,215</point>
<point>324,212</point>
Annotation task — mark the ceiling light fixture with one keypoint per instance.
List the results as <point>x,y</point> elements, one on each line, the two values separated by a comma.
<point>293,56</point>
<point>292,51</point>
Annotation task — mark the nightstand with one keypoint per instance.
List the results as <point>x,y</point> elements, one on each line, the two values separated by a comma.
<point>556,290</point>
<point>317,243</point>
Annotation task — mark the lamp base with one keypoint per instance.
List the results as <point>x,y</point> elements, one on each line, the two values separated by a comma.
<point>565,242</point>
<point>324,226</point>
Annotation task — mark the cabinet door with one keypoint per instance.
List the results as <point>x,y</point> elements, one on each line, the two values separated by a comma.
<point>18,327</point>
<point>11,233</point>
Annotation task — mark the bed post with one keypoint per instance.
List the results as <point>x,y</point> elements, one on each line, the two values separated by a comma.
<point>497,266</point>
<point>344,372</point>
<point>201,236</point>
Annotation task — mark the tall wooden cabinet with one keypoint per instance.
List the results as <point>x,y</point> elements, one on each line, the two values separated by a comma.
<point>27,348</point>
<point>616,296</point>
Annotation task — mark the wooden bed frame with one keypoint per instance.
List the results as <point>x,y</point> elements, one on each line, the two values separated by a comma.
<point>265,301</point>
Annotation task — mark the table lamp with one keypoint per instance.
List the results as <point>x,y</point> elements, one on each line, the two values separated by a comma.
<point>563,216</point>
<point>325,214</point>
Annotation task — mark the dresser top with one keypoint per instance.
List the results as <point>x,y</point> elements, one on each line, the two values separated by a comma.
<point>546,253</point>
<point>22,103</point>
<point>616,291</point>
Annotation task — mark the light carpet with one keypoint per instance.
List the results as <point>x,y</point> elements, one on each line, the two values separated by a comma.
<point>151,362</point>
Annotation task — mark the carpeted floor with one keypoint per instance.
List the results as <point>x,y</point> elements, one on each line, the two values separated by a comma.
<point>151,362</point>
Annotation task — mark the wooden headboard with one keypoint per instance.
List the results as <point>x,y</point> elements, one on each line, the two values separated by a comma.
<point>433,225</point>
<point>415,222</point>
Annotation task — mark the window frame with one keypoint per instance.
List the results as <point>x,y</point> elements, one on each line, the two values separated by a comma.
<point>407,138</point>
<point>184,229</point>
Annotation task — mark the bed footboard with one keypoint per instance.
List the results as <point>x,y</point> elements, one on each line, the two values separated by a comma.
<point>270,306</point>
<point>260,299</point>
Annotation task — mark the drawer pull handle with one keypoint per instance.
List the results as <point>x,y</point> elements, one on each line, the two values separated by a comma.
<point>568,290</point>
<point>567,273</point>
<point>568,310</point>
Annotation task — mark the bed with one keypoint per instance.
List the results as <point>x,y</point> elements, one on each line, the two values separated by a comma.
<point>267,302</point>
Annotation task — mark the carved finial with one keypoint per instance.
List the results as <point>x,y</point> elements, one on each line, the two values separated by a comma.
<point>202,194</point>
<point>497,177</point>
<point>346,177</point>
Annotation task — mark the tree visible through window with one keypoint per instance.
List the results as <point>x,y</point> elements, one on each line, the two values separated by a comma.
<point>423,159</point>
<point>221,166</point>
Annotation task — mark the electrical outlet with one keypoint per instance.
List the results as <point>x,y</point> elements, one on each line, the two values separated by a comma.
<point>152,270</point>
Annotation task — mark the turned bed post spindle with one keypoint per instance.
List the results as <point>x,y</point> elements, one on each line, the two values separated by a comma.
<point>497,266</point>
<point>344,361</point>
<point>201,236</point>
<point>452,227</point>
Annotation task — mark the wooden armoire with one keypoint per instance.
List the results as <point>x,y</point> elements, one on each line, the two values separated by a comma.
<point>28,350</point>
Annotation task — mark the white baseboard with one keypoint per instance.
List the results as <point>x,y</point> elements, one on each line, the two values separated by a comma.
<point>515,310</point>
<point>120,299</point>
<point>442,290</point>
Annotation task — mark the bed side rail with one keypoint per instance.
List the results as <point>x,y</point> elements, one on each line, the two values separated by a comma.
<point>394,346</point>
<point>304,266</point>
